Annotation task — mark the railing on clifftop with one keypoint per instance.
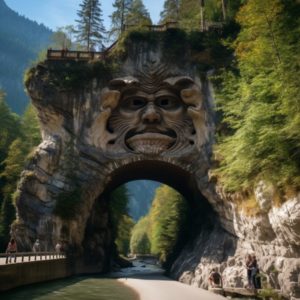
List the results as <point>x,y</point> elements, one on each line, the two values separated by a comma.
<point>161,27</point>
<point>6,258</point>
<point>65,54</point>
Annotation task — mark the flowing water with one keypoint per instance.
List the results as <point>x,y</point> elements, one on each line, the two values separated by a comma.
<point>88,287</point>
<point>83,288</point>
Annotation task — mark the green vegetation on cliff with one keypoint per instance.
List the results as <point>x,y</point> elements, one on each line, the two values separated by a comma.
<point>19,135</point>
<point>258,97</point>
<point>121,222</point>
<point>159,232</point>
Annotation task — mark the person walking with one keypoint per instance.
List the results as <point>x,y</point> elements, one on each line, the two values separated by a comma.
<point>254,273</point>
<point>36,246</point>
<point>11,250</point>
<point>248,268</point>
<point>215,279</point>
<point>58,247</point>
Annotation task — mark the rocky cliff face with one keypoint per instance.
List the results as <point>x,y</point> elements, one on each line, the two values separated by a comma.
<point>272,235</point>
<point>150,118</point>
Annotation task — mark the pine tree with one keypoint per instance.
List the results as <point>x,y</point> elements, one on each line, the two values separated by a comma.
<point>119,16</point>
<point>122,224</point>
<point>138,15</point>
<point>170,11</point>
<point>260,102</point>
<point>26,137</point>
<point>90,28</point>
<point>139,242</point>
<point>10,127</point>
<point>63,38</point>
<point>167,218</point>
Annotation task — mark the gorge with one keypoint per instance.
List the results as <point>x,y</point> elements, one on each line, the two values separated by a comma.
<point>147,112</point>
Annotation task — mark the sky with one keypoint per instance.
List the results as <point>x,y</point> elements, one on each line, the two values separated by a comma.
<point>58,13</point>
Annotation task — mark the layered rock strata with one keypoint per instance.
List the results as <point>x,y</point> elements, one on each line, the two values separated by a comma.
<point>152,118</point>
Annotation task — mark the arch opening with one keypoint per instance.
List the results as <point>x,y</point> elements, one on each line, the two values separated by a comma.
<point>199,215</point>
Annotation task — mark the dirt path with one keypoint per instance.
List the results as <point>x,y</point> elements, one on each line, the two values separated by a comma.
<point>159,287</point>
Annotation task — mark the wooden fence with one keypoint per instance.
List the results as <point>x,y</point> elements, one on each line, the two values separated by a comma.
<point>161,27</point>
<point>66,54</point>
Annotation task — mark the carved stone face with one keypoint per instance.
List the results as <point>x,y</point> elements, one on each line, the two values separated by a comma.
<point>151,121</point>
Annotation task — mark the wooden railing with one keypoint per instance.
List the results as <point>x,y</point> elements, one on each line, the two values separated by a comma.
<point>31,256</point>
<point>66,54</point>
<point>162,27</point>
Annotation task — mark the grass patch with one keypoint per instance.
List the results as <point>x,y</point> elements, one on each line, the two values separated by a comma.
<point>268,294</point>
<point>248,205</point>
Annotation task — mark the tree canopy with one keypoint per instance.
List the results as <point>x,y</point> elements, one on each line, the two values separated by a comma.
<point>259,99</point>
<point>138,15</point>
<point>170,11</point>
<point>90,29</point>
<point>119,16</point>
<point>159,231</point>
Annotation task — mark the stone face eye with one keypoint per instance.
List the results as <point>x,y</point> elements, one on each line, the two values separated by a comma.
<point>167,103</point>
<point>134,103</point>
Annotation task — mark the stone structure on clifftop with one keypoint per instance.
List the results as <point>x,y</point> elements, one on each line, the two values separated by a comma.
<point>145,114</point>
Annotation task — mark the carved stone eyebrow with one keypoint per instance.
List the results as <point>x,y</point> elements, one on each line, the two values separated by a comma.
<point>181,81</point>
<point>122,82</point>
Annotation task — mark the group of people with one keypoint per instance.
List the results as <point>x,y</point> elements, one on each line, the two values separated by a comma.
<point>252,272</point>
<point>215,278</point>
<point>12,249</point>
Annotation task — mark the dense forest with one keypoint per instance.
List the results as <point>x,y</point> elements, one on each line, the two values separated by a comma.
<point>162,228</point>
<point>257,101</point>
<point>20,42</point>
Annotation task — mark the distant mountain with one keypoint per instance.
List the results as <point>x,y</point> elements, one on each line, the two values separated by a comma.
<point>141,195</point>
<point>20,41</point>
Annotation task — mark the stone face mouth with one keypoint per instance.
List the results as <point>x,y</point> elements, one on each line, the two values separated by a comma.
<point>150,142</point>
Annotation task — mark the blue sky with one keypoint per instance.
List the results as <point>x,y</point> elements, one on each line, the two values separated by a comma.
<point>57,13</point>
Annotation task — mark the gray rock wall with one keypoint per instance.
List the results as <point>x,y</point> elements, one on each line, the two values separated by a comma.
<point>88,147</point>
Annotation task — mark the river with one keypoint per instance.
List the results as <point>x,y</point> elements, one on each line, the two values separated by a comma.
<point>83,288</point>
<point>102,288</point>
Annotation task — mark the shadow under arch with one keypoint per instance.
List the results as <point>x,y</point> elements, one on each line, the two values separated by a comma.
<point>201,214</point>
<point>161,171</point>
<point>172,175</point>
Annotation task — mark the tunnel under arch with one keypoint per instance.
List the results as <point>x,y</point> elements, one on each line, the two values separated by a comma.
<point>151,118</point>
<point>201,216</point>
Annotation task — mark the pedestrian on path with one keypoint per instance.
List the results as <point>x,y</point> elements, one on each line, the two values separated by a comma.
<point>58,247</point>
<point>36,246</point>
<point>249,271</point>
<point>215,279</point>
<point>11,250</point>
<point>255,278</point>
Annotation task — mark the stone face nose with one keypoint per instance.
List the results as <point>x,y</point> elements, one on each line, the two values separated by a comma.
<point>150,114</point>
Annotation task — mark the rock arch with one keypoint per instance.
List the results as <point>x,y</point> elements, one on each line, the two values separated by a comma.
<point>103,125</point>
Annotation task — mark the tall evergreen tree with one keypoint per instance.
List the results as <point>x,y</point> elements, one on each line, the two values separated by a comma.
<point>90,28</point>
<point>170,11</point>
<point>121,223</point>
<point>167,218</point>
<point>119,16</point>
<point>139,242</point>
<point>138,15</point>
<point>10,127</point>
<point>26,137</point>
